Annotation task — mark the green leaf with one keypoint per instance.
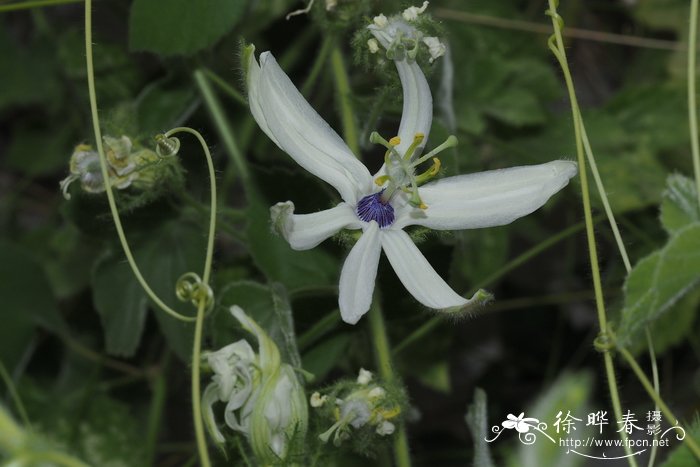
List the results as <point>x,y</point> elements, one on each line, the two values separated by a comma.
<point>682,456</point>
<point>661,279</point>
<point>167,253</point>
<point>40,152</point>
<point>671,328</point>
<point>323,357</point>
<point>27,302</point>
<point>436,377</point>
<point>679,206</point>
<point>267,305</point>
<point>477,421</point>
<point>121,304</point>
<point>181,26</point>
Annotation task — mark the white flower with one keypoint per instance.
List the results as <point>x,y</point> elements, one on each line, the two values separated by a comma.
<point>317,400</point>
<point>412,13</point>
<point>472,201</point>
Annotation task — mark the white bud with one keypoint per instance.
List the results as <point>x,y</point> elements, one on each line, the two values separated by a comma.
<point>380,21</point>
<point>364,377</point>
<point>411,13</point>
<point>385,428</point>
<point>376,393</point>
<point>317,400</point>
<point>331,4</point>
<point>373,46</point>
<point>435,47</point>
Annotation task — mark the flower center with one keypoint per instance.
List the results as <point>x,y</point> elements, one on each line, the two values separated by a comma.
<point>374,208</point>
<point>401,168</point>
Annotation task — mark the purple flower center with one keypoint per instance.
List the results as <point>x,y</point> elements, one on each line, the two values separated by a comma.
<point>372,208</point>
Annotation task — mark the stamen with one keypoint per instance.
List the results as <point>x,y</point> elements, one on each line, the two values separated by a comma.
<point>374,208</point>
<point>450,142</point>
<point>382,180</point>
<point>417,139</point>
<point>430,173</point>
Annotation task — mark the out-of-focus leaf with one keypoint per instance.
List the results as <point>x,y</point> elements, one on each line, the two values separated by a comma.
<point>680,204</point>
<point>28,74</point>
<point>160,108</point>
<point>570,393</point>
<point>97,429</point>
<point>477,254</point>
<point>27,301</point>
<point>323,357</point>
<point>121,304</point>
<point>184,27</point>
<point>477,421</point>
<point>267,305</point>
<point>40,152</point>
<point>661,279</point>
<point>436,377</point>
<point>682,456</point>
<point>167,254</point>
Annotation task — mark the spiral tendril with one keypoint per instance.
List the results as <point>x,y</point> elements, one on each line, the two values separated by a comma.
<point>167,146</point>
<point>604,342</point>
<point>190,288</point>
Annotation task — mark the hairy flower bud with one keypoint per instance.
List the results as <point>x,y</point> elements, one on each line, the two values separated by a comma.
<point>264,398</point>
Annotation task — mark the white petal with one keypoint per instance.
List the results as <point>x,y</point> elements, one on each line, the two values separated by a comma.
<point>358,275</point>
<point>487,199</point>
<point>285,116</point>
<point>416,274</point>
<point>305,231</point>
<point>417,115</point>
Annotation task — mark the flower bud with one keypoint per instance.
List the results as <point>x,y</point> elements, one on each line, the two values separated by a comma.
<point>264,398</point>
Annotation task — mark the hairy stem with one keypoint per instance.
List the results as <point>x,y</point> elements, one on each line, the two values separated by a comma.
<point>382,353</point>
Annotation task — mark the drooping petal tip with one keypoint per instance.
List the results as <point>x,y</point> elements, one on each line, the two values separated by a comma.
<point>480,299</point>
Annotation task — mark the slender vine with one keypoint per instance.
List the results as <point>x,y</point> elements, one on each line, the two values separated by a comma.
<point>190,286</point>
<point>692,103</point>
<point>556,45</point>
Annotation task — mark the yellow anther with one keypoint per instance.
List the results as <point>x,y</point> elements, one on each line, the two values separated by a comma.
<point>418,138</point>
<point>395,141</point>
<point>436,166</point>
<point>423,206</point>
<point>389,413</point>
<point>381,180</point>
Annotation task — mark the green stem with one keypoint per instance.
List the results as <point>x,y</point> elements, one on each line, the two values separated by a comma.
<point>557,47</point>
<point>35,4</point>
<point>105,175</point>
<point>343,93</point>
<point>321,327</point>
<point>217,114</point>
<point>692,105</point>
<point>227,88</point>
<point>196,388</point>
<point>383,356</point>
<point>319,62</point>
<point>688,440</point>
<point>14,394</point>
<point>155,412</point>
<point>657,390</point>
